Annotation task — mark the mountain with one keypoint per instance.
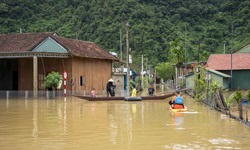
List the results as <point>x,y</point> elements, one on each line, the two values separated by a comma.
<point>203,26</point>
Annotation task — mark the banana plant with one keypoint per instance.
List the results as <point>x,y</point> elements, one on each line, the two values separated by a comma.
<point>248,100</point>
<point>238,98</point>
<point>229,100</point>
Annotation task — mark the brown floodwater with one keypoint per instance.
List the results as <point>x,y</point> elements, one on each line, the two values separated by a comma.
<point>56,124</point>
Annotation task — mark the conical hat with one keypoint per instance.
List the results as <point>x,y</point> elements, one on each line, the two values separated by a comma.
<point>111,80</point>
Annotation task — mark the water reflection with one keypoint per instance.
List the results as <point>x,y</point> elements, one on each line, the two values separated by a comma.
<point>178,118</point>
<point>35,125</point>
<point>74,123</point>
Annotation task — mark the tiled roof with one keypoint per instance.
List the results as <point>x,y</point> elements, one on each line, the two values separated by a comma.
<point>21,42</point>
<point>83,48</point>
<point>14,43</point>
<point>223,61</point>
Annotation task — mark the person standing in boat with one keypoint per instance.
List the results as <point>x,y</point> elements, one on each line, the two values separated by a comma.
<point>134,92</point>
<point>110,88</point>
<point>151,90</point>
<point>177,101</point>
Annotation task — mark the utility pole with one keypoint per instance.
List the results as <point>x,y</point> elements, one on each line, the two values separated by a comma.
<point>186,50</point>
<point>231,70</point>
<point>128,68</point>
<point>224,47</point>
<point>147,70</point>
<point>142,86</point>
<point>121,43</point>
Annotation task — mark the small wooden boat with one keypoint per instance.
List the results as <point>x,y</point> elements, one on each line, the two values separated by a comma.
<point>178,110</point>
<point>103,98</point>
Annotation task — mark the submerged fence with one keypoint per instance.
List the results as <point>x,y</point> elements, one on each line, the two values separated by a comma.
<point>159,89</point>
<point>29,94</point>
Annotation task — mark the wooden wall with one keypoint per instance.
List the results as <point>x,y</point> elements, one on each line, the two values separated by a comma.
<point>95,74</point>
<point>25,74</point>
<point>45,66</point>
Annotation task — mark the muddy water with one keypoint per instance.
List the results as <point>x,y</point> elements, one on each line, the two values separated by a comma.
<point>119,125</point>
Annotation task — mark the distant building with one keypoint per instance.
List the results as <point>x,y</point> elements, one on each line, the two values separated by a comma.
<point>26,59</point>
<point>215,76</point>
<point>240,68</point>
<point>245,49</point>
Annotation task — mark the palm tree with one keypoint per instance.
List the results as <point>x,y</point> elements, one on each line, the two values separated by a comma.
<point>176,55</point>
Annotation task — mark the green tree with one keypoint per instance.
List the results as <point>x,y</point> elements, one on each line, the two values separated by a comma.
<point>165,70</point>
<point>176,53</point>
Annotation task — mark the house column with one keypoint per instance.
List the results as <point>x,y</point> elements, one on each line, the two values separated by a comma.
<point>35,72</point>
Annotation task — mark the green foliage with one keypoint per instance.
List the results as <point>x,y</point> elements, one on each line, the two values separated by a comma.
<point>165,71</point>
<point>248,96</point>
<point>176,52</point>
<point>238,96</point>
<point>200,83</point>
<point>201,26</point>
<point>215,86</point>
<point>52,80</point>
<point>230,99</point>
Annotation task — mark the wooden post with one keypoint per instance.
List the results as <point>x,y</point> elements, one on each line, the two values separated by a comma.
<point>142,86</point>
<point>35,70</point>
<point>128,68</point>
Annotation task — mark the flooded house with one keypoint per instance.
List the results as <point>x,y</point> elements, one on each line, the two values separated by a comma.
<point>236,65</point>
<point>27,58</point>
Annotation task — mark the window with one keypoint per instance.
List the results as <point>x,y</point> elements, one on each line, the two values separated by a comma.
<point>82,81</point>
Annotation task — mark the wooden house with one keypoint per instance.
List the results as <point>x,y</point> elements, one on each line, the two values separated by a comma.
<point>26,59</point>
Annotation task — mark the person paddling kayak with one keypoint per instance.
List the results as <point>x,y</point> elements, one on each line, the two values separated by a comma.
<point>177,101</point>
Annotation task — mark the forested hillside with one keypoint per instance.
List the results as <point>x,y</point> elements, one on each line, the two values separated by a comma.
<point>204,25</point>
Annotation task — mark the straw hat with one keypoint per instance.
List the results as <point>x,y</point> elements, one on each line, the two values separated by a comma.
<point>111,80</point>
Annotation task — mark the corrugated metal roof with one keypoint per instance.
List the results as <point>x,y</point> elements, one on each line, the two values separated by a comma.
<point>219,73</point>
<point>16,43</point>
<point>245,49</point>
<point>240,61</point>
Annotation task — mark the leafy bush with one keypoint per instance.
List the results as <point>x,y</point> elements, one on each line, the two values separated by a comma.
<point>52,80</point>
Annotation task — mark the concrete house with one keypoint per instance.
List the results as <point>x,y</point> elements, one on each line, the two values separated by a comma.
<point>26,59</point>
<point>215,76</point>
<point>239,63</point>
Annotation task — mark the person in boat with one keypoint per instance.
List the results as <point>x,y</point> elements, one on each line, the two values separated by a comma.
<point>151,90</point>
<point>110,88</point>
<point>177,101</point>
<point>93,94</point>
<point>134,92</point>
